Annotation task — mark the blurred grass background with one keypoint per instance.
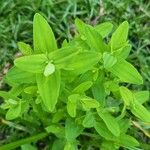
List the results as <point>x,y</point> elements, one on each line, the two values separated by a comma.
<point>16,25</point>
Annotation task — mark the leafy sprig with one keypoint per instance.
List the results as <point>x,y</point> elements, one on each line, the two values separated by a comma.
<point>77,87</point>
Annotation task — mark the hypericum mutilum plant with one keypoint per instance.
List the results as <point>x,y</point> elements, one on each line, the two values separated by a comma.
<point>75,94</point>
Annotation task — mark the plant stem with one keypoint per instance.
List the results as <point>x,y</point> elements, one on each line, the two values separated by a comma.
<point>16,144</point>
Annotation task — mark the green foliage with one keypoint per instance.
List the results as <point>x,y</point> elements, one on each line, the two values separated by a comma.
<point>76,90</point>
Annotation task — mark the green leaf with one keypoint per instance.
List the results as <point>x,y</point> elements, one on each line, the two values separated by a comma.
<point>109,60</point>
<point>119,37</point>
<point>63,56</point>
<point>97,43</point>
<point>72,104</point>
<point>108,145</point>
<point>28,147</point>
<point>7,95</point>
<point>59,115</point>
<point>126,72</point>
<point>17,76</point>
<point>71,146</point>
<point>89,120</point>
<point>127,95</point>
<point>89,33</point>
<point>80,25</point>
<point>49,69</point>
<point>72,130</point>
<point>103,131</point>
<point>14,111</point>
<point>124,125</point>
<point>83,87</point>
<point>142,96</point>
<point>16,90</point>
<point>49,89</point>
<point>104,28</point>
<point>140,111</point>
<point>89,103</point>
<point>127,141</point>
<point>83,62</point>
<point>123,52</point>
<point>33,63</point>
<point>43,37</point>
<point>55,129</point>
<point>31,90</point>
<point>25,48</point>
<point>110,121</point>
<point>98,89</point>
<point>58,144</point>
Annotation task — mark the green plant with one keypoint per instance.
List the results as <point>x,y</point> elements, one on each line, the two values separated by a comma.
<point>76,95</point>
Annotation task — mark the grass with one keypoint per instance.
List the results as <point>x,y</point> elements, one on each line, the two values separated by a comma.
<point>16,25</point>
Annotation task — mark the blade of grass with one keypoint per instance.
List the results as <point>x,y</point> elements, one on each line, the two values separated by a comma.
<point>18,143</point>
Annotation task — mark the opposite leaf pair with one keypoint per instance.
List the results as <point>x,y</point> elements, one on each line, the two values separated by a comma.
<point>74,92</point>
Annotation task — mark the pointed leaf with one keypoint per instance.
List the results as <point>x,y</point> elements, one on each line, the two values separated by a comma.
<point>103,131</point>
<point>72,104</point>
<point>25,48</point>
<point>97,43</point>
<point>14,111</point>
<point>89,103</point>
<point>89,120</point>
<point>33,63</point>
<point>142,96</point>
<point>109,60</point>
<point>140,111</point>
<point>17,76</point>
<point>89,33</point>
<point>110,122</point>
<point>126,72</point>
<point>49,89</point>
<point>43,37</point>
<point>104,28</point>
<point>98,89</point>
<point>127,141</point>
<point>72,130</point>
<point>127,95</point>
<point>80,25</point>
<point>82,87</point>
<point>119,37</point>
<point>83,62</point>
<point>123,52</point>
<point>63,56</point>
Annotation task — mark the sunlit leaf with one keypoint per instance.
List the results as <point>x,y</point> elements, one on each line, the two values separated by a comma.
<point>49,89</point>
<point>110,121</point>
<point>33,63</point>
<point>104,28</point>
<point>43,37</point>
<point>72,104</point>
<point>127,95</point>
<point>119,37</point>
<point>126,72</point>
<point>25,48</point>
<point>109,60</point>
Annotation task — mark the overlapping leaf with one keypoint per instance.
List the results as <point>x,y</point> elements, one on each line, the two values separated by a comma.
<point>126,72</point>
<point>110,122</point>
<point>33,63</point>
<point>119,37</point>
<point>49,89</point>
